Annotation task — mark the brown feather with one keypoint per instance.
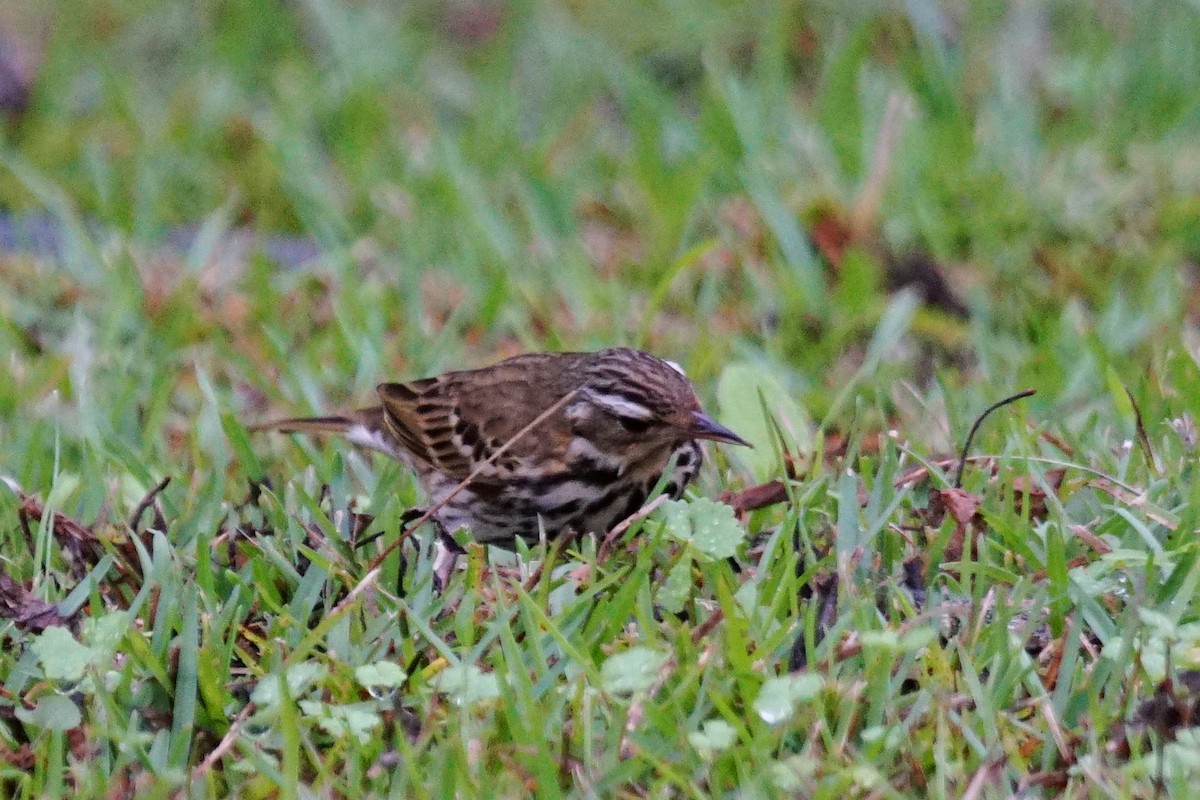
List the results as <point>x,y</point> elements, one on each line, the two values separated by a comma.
<point>399,417</point>
<point>429,415</point>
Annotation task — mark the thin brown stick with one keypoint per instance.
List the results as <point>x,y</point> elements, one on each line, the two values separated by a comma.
<point>707,627</point>
<point>1085,535</point>
<point>962,459</point>
<point>619,529</point>
<point>557,548</point>
<point>1143,439</point>
<point>988,774</point>
<point>352,595</point>
<point>224,745</point>
<point>146,502</point>
<point>756,497</point>
<point>1074,563</point>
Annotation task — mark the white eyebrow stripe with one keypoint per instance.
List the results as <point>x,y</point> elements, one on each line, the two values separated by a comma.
<point>676,367</point>
<point>620,406</point>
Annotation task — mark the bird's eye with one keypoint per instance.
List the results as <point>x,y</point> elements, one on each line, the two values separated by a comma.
<point>633,424</point>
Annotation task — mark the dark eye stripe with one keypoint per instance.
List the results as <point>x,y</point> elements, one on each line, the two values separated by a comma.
<point>633,424</point>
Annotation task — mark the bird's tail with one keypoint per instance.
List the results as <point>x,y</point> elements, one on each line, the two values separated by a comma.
<point>364,427</point>
<point>337,424</point>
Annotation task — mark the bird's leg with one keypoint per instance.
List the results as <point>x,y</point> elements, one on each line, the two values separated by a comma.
<point>405,518</point>
<point>400,573</point>
<point>445,557</point>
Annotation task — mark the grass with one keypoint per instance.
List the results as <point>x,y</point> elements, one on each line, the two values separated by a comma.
<point>745,190</point>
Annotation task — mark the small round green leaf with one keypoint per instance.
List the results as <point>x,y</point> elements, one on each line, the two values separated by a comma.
<point>300,677</point>
<point>357,719</point>
<point>778,697</point>
<point>634,670</point>
<point>710,527</point>
<point>713,737</point>
<point>382,673</point>
<point>63,657</point>
<point>467,684</point>
<point>54,712</point>
<point>675,590</point>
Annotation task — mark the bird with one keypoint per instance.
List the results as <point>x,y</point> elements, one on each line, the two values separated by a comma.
<point>537,444</point>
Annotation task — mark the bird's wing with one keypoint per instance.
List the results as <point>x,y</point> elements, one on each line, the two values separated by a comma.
<point>422,416</point>
<point>455,423</point>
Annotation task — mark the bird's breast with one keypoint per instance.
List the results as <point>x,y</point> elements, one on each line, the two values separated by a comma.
<point>589,492</point>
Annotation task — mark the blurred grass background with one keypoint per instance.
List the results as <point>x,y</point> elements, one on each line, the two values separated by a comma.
<point>771,185</point>
<point>487,178</point>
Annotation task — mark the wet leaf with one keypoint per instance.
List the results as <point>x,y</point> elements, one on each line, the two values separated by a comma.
<point>300,677</point>
<point>104,634</point>
<point>713,737</point>
<point>778,697</point>
<point>381,673</point>
<point>358,719</point>
<point>710,527</point>
<point>675,590</point>
<point>634,670</point>
<point>467,684</point>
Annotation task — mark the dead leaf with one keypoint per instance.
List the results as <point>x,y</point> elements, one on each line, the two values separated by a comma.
<point>832,235</point>
<point>30,613</point>
<point>78,540</point>
<point>1025,490</point>
<point>22,757</point>
<point>963,508</point>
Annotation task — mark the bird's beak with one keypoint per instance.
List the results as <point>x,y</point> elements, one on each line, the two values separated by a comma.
<point>704,427</point>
